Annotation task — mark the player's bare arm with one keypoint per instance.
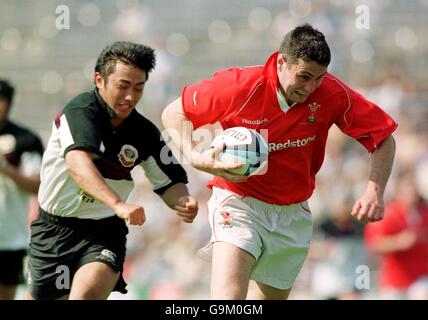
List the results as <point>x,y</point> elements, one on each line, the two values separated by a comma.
<point>85,173</point>
<point>180,129</point>
<point>370,207</point>
<point>177,198</point>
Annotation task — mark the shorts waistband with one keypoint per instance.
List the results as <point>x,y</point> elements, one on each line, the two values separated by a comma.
<point>261,204</point>
<point>71,221</point>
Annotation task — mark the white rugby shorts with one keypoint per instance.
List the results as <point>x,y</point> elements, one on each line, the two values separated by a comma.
<point>277,236</point>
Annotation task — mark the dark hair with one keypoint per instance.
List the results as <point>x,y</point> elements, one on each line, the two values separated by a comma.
<point>306,43</point>
<point>130,53</point>
<point>6,91</point>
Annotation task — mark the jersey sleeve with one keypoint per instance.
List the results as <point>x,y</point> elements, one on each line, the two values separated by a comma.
<point>210,100</point>
<point>78,129</point>
<point>364,121</point>
<point>160,167</point>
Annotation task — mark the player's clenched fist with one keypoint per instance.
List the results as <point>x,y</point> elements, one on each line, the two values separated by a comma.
<point>369,208</point>
<point>187,208</point>
<point>131,213</point>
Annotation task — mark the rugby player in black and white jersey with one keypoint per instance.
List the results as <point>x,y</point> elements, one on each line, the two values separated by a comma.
<point>20,160</point>
<point>96,140</point>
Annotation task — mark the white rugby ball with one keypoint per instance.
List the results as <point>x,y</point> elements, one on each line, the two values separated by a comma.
<point>243,146</point>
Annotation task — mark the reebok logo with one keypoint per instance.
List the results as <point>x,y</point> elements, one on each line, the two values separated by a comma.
<point>256,122</point>
<point>291,144</point>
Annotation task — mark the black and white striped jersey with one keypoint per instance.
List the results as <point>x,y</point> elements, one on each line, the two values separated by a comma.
<point>85,124</point>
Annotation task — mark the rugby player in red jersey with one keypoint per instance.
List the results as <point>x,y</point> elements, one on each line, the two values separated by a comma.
<point>260,249</point>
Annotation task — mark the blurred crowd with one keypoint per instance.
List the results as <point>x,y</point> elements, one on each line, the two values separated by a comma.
<point>386,63</point>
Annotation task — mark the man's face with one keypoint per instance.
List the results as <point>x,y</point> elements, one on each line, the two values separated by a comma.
<point>122,89</point>
<point>299,79</point>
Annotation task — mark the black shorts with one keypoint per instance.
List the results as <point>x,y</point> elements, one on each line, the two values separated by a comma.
<point>11,267</point>
<point>60,246</point>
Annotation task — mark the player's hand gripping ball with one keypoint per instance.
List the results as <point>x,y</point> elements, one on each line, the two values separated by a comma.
<point>243,146</point>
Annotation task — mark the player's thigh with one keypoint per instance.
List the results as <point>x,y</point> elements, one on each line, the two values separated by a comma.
<point>231,268</point>
<point>285,250</point>
<point>51,259</point>
<point>93,281</point>
<point>104,257</point>
<point>260,291</point>
<point>232,221</point>
<point>230,261</point>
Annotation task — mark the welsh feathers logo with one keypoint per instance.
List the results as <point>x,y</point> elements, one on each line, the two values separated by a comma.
<point>226,220</point>
<point>313,107</point>
<point>128,155</point>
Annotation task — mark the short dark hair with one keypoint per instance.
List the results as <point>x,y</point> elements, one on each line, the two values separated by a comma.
<point>130,53</point>
<point>7,91</point>
<point>306,43</point>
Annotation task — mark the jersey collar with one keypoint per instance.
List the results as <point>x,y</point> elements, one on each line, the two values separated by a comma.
<point>270,72</point>
<point>103,104</point>
<point>269,69</point>
<point>283,104</point>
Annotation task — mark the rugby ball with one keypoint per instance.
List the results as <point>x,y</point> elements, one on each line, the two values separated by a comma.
<point>243,146</point>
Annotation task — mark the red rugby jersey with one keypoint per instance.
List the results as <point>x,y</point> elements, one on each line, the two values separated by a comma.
<point>248,97</point>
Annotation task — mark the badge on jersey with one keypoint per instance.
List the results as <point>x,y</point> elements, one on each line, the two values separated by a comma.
<point>313,107</point>
<point>128,155</point>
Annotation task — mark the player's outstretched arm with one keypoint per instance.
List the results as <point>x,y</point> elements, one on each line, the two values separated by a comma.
<point>177,198</point>
<point>180,129</point>
<point>370,207</point>
<point>86,175</point>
